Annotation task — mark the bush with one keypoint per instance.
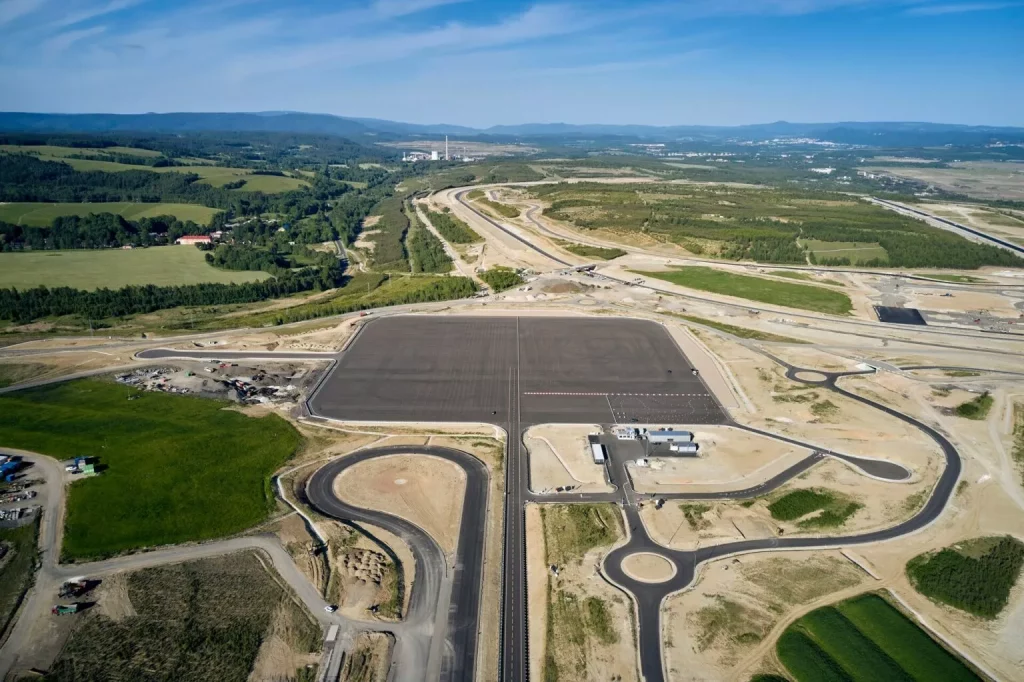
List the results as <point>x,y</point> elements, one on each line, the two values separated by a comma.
<point>500,278</point>
<point>792,506</point>
<point>977,408</point>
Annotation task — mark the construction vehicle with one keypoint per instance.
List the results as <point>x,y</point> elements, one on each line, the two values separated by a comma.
<point>65,609</point>
<point>73,588</point>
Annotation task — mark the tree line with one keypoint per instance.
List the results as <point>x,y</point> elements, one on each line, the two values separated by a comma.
<point>32,304</point>
<point>96,231</point>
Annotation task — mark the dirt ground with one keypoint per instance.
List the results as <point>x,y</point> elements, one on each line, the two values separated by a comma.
<point>978,179</point>
<point>593,660</point>
<point>712,630</point>
<point>729,459</point>
<point>424,490</point>
<point>785,407</point>
<point>277,658</point>
<point>560,456</point>
<point>295,537</point>
<point>370,659</point>
<point>689,525</point>
<point>1001,224</point>
<point>648,568</point>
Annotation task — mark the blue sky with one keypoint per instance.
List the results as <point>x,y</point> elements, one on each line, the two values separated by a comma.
<point>485,62</point>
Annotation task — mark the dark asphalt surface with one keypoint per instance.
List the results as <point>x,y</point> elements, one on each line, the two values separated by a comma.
<point>569,370</point>
<point>463,620</point>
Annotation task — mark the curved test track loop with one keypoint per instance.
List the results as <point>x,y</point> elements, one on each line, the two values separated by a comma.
<point>459,657</point>
<point>649,597</point>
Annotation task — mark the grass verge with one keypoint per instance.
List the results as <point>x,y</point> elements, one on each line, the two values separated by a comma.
<point>592,251</point>
<point>741,332</point>
<point>802,296</point>
<point>571,530</point>
<point>15,373</point>
<point>177,469</point>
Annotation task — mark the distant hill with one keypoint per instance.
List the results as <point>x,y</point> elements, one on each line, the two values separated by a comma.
<point>861,133</point>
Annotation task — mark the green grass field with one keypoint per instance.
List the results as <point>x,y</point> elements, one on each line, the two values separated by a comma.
<point>865,638</point>
<point>114,268</point>
<point>857,253</point>
<point>40,214</point>
<point>803,296</point>
<point>178,469</point>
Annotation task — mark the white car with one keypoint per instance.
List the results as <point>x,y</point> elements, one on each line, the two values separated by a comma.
<point>330,608</point>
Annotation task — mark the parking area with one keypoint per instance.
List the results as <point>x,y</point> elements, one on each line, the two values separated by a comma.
<point>567,370</point>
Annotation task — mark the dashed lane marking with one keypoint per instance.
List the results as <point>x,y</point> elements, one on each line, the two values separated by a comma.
<point>615,394</point>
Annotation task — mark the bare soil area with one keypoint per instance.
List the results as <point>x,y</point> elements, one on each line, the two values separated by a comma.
<point>711,631</point>
<point>370,659</point>
<point>424,490</point>
<point>648,568</point>
<point>560,456</point>
<point>586,630</point>
<point>729,458</point>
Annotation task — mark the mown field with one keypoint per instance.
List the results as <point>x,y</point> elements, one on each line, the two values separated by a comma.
<point>855,252</point>
<point>195,622</point>
<point>790,295</point>
<point>176,468</point>
<point>42,214</point>
<point>115,268</point>
<point>865,638</point>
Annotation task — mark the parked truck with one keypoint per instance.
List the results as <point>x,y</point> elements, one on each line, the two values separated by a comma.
<point>65,609</point>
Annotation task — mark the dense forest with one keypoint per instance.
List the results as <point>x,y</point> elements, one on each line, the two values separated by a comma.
<point>980,585</point>
<point>426,252</point>
<point>451,228</point>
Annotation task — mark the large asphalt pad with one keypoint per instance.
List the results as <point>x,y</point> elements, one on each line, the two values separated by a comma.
<point>571,370</point>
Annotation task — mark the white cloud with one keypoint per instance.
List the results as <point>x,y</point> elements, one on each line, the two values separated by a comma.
<point>959,8</point>
<point>63,41</point>
<point>401,8</point>
<point>13,9</point>
<point>94,11</point>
